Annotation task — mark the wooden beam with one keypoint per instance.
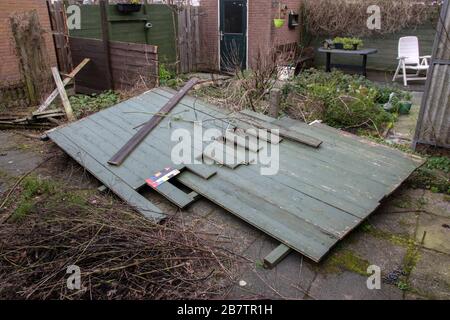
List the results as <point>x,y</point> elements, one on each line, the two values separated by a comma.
<point>105,39</point>
<point>128,148</point>
<point>278,254</point>
<point>66,81</point>
<point>275,100</point>
<point>285,133</point>
<point>63,94</point>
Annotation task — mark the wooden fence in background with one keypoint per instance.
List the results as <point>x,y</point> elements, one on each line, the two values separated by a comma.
<point>60,33</point>
<point>188,39</point>
<point>155,25</point>
<point>118,66</point>
<point>433,125</point>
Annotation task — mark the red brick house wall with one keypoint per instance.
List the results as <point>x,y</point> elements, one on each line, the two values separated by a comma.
<point>262,34</point>
<point>9,65</point>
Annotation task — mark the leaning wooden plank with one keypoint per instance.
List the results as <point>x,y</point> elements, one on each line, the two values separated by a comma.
<point>285,133</point>
<point>126,150</point>
<point>295,233</point>
<point>243,141</point>
<point>202,170</point>
<point>108,178</point>
<point>175,195</point>
<point>63,94</point>
<point>275,257</point>
<point>229,156</point>
<point>66,81</point>
<point>260,134</point>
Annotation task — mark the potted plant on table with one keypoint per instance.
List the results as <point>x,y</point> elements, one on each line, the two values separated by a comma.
<point>347,43</point>
<point>130,6</point>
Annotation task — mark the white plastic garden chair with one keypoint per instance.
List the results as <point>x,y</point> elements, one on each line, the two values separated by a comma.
<point>409,59</point>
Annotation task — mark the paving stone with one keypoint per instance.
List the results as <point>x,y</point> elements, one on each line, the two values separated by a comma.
<point>290,279</point>
<point>380,252</point>
<point>437,203</point>
<point>350,286</point>
<point>430,278</point>
<point>398,222</point>
<point>437,232</point>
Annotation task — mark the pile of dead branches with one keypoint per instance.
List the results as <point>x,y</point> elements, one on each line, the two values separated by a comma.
<point>121,255</point>
<point>349,18</point>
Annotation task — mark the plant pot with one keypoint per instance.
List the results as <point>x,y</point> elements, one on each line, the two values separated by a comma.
<point>404,107</point>
<point>278,23</point>
<point>128,7</point>
<point>339,46</point>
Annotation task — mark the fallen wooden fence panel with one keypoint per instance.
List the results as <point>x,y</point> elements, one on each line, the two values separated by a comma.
<point>318,195</point>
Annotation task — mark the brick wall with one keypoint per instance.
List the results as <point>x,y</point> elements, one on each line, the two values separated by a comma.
<point>262,34</point>
<point>9,65</point>
<point>209,34</point>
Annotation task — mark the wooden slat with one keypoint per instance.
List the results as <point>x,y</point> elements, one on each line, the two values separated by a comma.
<point>123,153</point>
<point>87,132</point>
<point>63,94</point>
<point>226,159</point>
<point>118,186</point>
<point>275,257</point>
<point>202,170</point>
<point>249,207</point>
<point>66,81</point>
<point>243,141</point>
<point>175,195</point>
<point>285,133</point>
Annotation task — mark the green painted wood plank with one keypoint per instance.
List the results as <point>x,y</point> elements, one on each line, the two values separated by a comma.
<point>163,149</point>
<point>312,180</point>
<point>285,132</point>
<point>275,257</point>
<point>293,232</point>
<point>202,170</point>
<point>381,165</point>
<point>113,182</point>
<point>367,160</point>
<point>335,184</point>
<point>293,203</point>
<point>175,195</point>
<point>387,156</point>
<point>160,144</point>
<point>93,138</point>
<point>131,28</point>
<point>192,102</point>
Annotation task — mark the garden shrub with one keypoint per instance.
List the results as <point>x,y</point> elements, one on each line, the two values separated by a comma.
<point>340,100</point>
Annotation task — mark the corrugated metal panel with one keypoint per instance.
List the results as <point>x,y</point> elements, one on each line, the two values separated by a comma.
<point>433,126</point>
<point>318,196</point>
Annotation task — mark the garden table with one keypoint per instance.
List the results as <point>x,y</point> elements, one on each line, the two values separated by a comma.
<point>363,52</point>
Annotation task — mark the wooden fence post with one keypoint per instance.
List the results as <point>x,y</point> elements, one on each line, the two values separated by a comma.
<point>275,99</point>
<point>58,22</point>
<point>105,38</point>
<point>188,39</point>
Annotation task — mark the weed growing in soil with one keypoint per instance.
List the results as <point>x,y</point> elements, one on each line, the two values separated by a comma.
<point>84,105</point>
